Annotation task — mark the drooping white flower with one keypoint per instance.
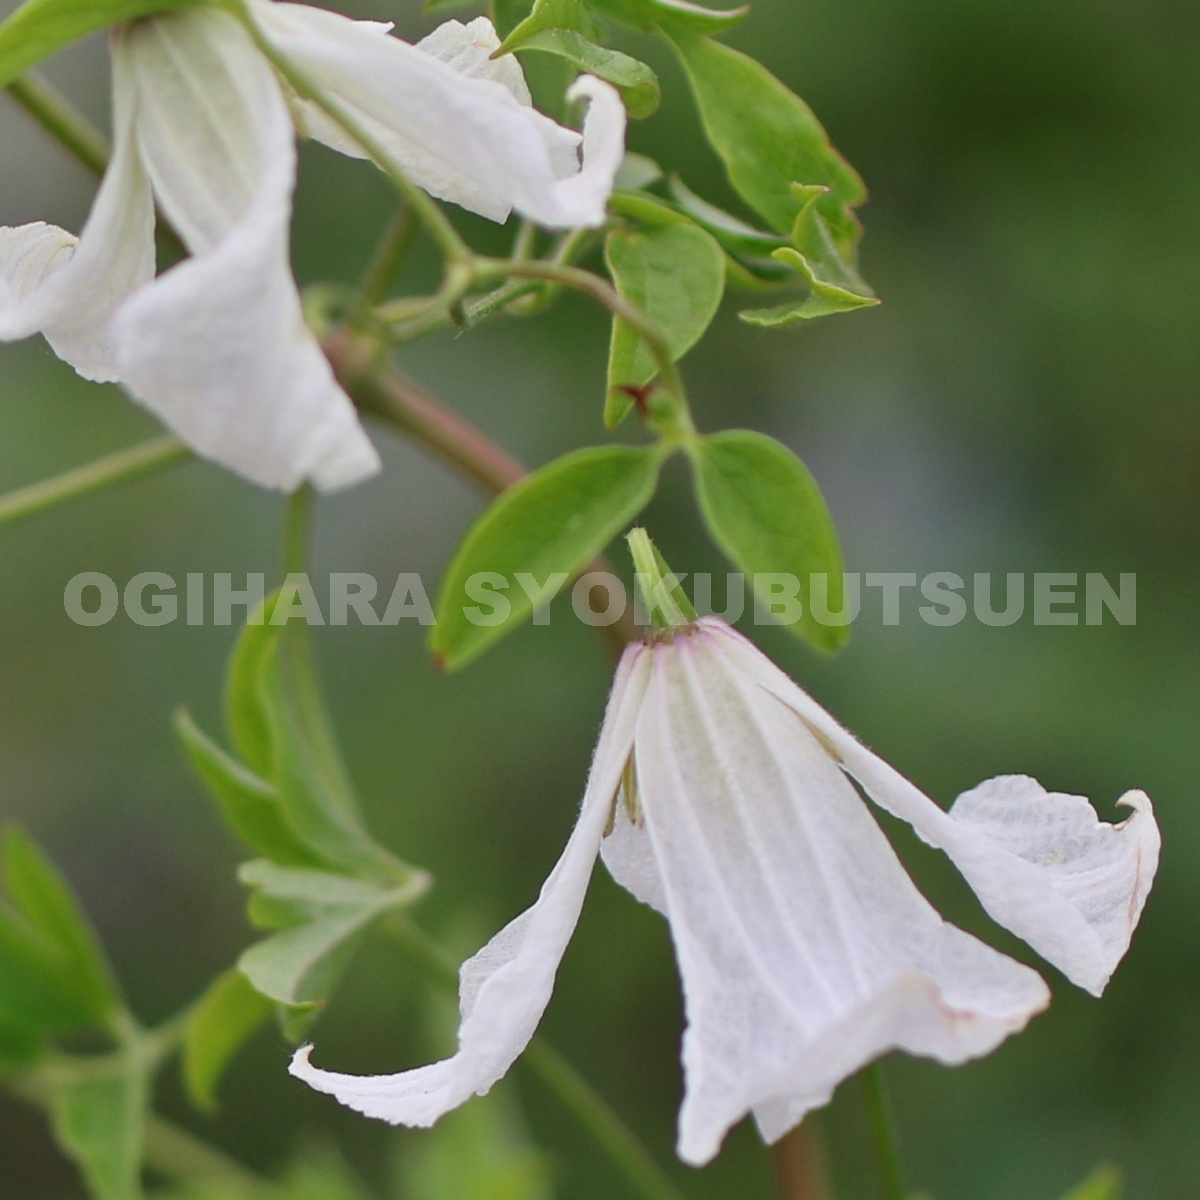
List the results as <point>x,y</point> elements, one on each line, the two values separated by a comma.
<point>217,347</point>
<point>724,796</point>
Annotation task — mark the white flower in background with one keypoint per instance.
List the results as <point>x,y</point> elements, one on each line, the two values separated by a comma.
<point>217,346</point>
<point>724,796</point>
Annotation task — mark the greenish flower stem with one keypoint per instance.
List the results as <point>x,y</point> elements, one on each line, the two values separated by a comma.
<point>426,210</point>
<point>178,1154</point>
<point>378,389</point>
<point>389,255</point>
<point>577,279</point>
<point>883,1131</point>
<point>297,530</point>
<point>117,468</point>
<point>166,1147</point>
<point>59,117</point>
<point>578,1096</point>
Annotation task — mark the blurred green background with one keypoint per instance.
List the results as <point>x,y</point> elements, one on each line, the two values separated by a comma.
<point>1024,400</point>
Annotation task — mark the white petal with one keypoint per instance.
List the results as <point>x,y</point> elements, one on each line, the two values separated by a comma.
<point>469,48</point>
<point>68,289</point>
<point>603,148</point>
<point>505,988</point>
<point>1042,863</point>
<point>464,138</point>
<point>805,950</point>
<point>217,347</point>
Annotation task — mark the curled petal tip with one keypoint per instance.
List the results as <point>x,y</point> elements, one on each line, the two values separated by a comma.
<point>1136,799</point>
<point>300,1065</point>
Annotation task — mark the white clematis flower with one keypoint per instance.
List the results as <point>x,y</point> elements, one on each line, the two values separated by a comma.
<point>724,796</point>
<point>217,347</point>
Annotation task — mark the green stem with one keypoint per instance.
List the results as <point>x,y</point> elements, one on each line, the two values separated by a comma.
<point>172,1151</point>
<point>59,118</point>
<point>83,481</point>
<point>423,206</point>
<point>883,1131</point>
<point>297,530</point>
<point>389,256</point>
<point>600,290</point>
<point>578,1096</point>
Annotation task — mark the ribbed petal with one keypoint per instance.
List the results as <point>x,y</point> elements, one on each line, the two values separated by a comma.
<point>804,948</point>
<point>505,988</point>
<point>217,347</point>
<point>1042,863</point>
<point>68,289</point>
<point>459,127</point>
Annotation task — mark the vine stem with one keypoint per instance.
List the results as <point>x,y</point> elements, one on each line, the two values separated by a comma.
<point>576,278</point>
<point>59,118</point>
<point>389,255</point>
<point>578,1096</point>
<point>361,366</point>
<point>117,468</point>
<point>883,1131</point>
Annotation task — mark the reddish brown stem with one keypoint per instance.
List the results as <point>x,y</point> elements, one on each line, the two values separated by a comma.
<point>800,1164</point>
<point>363,369</point>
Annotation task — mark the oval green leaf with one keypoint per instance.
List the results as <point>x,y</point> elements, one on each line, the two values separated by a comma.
<point>50,941</point>
<point>674,273</point>
<point>765,511</point>
<point>769,139</point>
<point>551,524</point>
<point>217,1027</point>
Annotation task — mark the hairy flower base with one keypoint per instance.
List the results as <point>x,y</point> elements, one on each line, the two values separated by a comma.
<point>722,795</point>
<point>217,346</point>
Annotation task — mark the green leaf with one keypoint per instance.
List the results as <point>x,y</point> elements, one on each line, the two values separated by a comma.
<point>676,275</point>
<point>1102,1184</point>
<point>649,15</point>
<point>765,511</point>
<point>39,28</point>
<point>637,171</point>
<point>636,82</point>
<point>733,233</point>
<point>769,140</point>
<point>52,974</point>
<point>833,280</point>
<point>322,915</point>
<point>42,897</point>
<point>99,1122</point>
<point>20,1046</point>
<point>545,16</point>
<point>278,723</point>
<point>554,521</point>
<point>646,209</point>
<point>227,1014</point>
<point>507,14</point>
<point>252,806</point>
